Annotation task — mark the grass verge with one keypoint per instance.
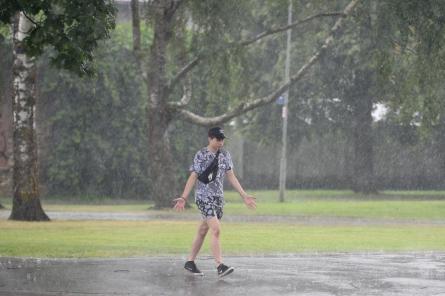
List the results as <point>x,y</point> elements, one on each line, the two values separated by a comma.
<point>378,209</point>
<point>86,239</point>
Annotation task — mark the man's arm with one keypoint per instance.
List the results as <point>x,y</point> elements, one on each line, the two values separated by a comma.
<point>180,201</point>
<point>249,200</point>
<point>189,185</point>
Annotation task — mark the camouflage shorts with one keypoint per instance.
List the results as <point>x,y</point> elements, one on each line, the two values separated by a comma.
<point>211,206</point>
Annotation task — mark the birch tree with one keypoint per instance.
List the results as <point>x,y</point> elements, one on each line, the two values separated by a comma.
<point>26,202</point>
<point>72,29</point>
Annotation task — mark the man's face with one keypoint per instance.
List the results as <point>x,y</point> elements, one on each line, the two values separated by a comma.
<point>216,143</point>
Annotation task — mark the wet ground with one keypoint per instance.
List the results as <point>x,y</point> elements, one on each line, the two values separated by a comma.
<point>304,274</point>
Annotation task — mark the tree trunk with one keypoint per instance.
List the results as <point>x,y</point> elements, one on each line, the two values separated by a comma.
<point>362,134</point>
<point>4,116</point>
<point>26,203</point>
<point>136,25</point>
<point>439,150</point>
<point>362,138</point>
<point>161,164</point>
<point>162,172</point>
<point>4,157</point>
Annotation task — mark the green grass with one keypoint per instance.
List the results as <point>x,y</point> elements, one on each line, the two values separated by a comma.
<point>419,210</point>
<point>84,239</point>
<point>419,205</point>
<point>434,210</point>
<point>299,195</point>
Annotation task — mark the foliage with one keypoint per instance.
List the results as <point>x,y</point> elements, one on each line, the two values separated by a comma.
<point>95,139</point>
<point>5,60</point>
<point>416,65</point>
<point>121,35</point>
<point>402,52</point>
<point>95,128</point>
<point>71,28</point>
<point>308,111</point>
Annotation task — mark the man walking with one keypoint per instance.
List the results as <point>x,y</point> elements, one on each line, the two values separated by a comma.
<point>209,167</point>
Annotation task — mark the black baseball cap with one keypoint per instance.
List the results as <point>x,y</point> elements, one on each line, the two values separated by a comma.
<point>216,132</point>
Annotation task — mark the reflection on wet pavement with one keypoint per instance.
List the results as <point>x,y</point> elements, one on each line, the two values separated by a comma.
<point>305,274</point>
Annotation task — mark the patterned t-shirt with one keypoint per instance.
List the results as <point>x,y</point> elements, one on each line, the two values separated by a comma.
<point>202,160</point>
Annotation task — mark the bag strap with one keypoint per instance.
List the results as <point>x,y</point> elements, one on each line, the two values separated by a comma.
<point>212,168</point>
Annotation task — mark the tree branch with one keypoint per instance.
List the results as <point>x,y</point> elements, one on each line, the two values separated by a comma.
<point>250,105</point>
<point>290,26</point>
<point>176,4</point>
<point>186,97</point>
<point>30,19</point>
<point>183,72</point>
<point>247,42</point>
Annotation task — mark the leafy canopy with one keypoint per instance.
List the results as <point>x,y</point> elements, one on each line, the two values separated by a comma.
<point>72,28</point>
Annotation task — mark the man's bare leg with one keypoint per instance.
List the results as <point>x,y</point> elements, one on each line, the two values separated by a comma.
<point>214,225</point>
<point>199,240</point>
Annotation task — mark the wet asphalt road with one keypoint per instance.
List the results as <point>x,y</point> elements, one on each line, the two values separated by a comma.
<point>304,274</point>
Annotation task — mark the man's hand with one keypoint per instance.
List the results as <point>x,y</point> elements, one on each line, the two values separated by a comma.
<point>250,202</point>
<point>179,204</point>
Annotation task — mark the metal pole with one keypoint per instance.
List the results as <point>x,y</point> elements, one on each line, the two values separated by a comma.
<point>283,162</point>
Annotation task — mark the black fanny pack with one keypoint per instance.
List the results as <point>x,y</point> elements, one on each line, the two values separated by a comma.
<point>210,172</point>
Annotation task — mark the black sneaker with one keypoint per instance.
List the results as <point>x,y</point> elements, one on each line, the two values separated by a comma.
<point>224,270</point>
<point>191,266</point>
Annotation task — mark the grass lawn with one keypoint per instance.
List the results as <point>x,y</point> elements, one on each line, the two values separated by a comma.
<point>419,205</point>
<point>146,238</point>
<point>74,239</point>
<point>419,210</point>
